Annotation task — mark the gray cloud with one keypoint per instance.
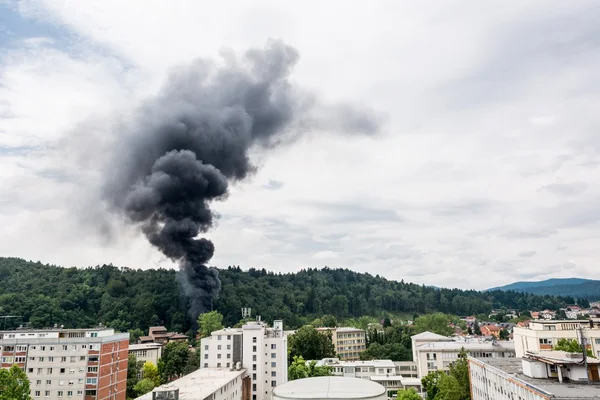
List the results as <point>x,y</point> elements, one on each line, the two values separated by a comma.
<point>527,254</point>
<point>565,189</point>
<point>273,185</point>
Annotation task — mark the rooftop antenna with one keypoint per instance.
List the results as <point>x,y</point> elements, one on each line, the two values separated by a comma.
<point>6,317</point>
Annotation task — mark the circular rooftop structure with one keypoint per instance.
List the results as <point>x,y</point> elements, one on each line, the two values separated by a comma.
<point>329,388</point>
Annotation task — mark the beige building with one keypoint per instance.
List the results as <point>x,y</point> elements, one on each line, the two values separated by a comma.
<point>146,352</point>
<point>159,334</point>
<point>543,335</point>
<point>347,342</point>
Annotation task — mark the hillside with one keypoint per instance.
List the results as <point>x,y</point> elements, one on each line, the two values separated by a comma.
<point>576,287</point>
<point>126,298</point>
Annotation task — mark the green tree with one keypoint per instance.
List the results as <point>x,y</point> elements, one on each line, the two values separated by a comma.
<point>174,359</point>
<point>387,351</point>
<point>329,321</point>
<point>150,371</point>
<point>300,369</point>
<point>14,384</point>
<point>476,329</point>
<point>449,389</point>
<point>144,386</point>
<point>134,335</point>
<point>436,323</point>
<point>430,383</point>
<point>503,335</point>
<point>408,394</point>
<point>571,346</point>
<point>459,370</point>
<point>310,344</point>
<point>209,322</point>
<point>133,368</point>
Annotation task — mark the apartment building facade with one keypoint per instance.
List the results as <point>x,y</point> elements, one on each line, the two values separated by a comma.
<point>86,364</point>
<point>259,349</point>
<point>544,335</point>
<point>441,351</point>
<point>347,342</point>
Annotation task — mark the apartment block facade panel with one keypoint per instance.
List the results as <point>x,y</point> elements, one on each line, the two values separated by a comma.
<point>86,364</point>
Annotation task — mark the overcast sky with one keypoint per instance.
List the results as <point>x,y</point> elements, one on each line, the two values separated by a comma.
<point>485,171</point>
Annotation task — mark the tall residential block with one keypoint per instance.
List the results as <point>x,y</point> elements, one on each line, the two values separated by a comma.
<point>259,349</point>
<point>348,342</point>
<point>69,364</point>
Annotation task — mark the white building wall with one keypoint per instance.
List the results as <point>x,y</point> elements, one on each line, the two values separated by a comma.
<point>264,355</point>
<point>541,337</point>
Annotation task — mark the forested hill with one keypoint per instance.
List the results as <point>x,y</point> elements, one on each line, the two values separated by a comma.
<point>126,298</point>
<point>586,288</point>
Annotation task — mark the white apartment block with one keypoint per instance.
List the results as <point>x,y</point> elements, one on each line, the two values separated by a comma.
<point>384,372</point>
<point>261,350</point>
<point>68,364</point>
<point>442,351</point>
<point>537,376</point>
<point>204,384</point>
<point>347,342</point>
<point>543,335</point>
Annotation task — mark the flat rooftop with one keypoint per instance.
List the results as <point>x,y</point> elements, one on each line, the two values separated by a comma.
<point>144,346</point>
<point>335,362</point>
<point>469,345</point>
<point>571,390</point>
<point>199,384</point>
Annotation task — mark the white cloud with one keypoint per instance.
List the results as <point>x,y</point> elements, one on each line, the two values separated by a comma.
<point>488,162</point>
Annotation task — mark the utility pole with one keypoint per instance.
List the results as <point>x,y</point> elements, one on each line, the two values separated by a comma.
<point>584,349</point>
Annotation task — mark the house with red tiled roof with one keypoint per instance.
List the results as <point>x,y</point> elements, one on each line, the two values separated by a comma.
<point>490,330</point>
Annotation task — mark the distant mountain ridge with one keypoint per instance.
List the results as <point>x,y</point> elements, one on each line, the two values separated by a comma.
<point>575,287</point>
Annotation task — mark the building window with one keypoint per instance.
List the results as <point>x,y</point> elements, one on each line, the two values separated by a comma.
<point>91,381</point>
<point>42,348</point>
<point>228,355</point>
<point>50,359</point>
<point>218,337</point>
<point>228,347</point>
<point>65,347</point>
<point>21,348</point>
<point>218,365</point>
<point>48,382</point>
<point>273,355</point>
<point>51,348</point>
<point>273,383</point>
<point>253,377</point>
<point>219,347</point>
<point>254,339</point>
<point>273,346</point>
<point>253,357</point>
<point>273,373</point>
<point>47,393</point>
<point>63,359</point>
<point>273,364</point>
<point>81,358</point>
<point>205,365</point>
<point>219,356</point>
<point>37,393</point>
<point>430,365</point>
<point>205,347</point>
<point>254,349</point>
<point>92,369</point>
<point>206,356</point>
<point>254,387</point>
<point>60,393</point>
<point>253,367</point>
<point>70,393</point>
<point>38,382</point>
<point>62,370</point>
<point>228,365</point>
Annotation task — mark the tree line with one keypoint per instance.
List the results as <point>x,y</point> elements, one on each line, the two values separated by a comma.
<point>132,299</point>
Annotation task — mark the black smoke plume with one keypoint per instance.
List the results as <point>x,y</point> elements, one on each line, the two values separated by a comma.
<point>192,140</point>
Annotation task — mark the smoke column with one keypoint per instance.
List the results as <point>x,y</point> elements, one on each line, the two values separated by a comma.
<point>192,140</point>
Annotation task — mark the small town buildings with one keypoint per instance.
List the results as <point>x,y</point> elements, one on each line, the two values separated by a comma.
<point>347,342</point>
<point>202,384</point>
<point>433,352</point>
<point>542,335</point>
<point>84,364</point>
<point>159,334</point>
<point>490,330</point>
<point>146,352</point>
<point>552,375</point>
<point>259,349</point>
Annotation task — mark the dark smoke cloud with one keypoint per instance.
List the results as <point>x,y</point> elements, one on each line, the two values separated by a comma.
<point>193,139</point>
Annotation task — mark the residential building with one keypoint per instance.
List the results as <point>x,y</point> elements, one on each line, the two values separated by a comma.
<point>490,330</point>
<point>547,314</point>
<point>330,387</point>
<point>542,335</point>
<point>206,383</point>
<point>146,352</point>
<point>260,349</point>
<point>159,334</point>
<point>438,354</point>
<point>347,342</point>
<point>537,376</point>
<point>384,372</point>
<point>86,364</point>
